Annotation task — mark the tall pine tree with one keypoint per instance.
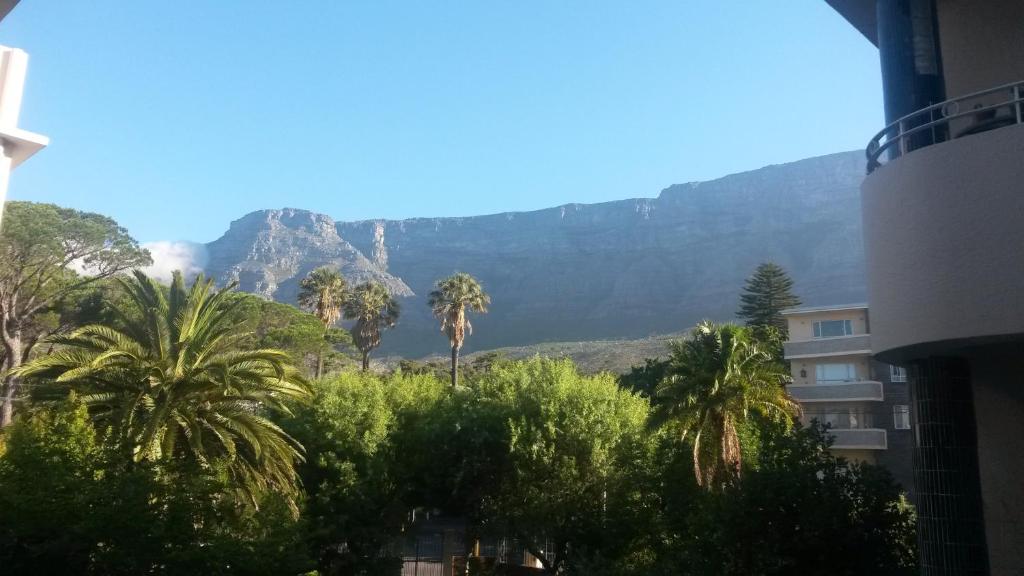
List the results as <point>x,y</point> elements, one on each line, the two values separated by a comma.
<point>767,293</point>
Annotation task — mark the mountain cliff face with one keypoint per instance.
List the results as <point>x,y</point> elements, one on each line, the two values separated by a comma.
<point>620,269</point>
<point>270,251</point>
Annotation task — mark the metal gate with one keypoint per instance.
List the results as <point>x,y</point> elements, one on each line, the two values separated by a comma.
<point>422,556</point>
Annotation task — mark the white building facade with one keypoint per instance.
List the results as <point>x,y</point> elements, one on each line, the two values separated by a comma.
<point>16,145</point>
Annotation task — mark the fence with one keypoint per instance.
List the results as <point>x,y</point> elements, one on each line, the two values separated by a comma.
<point>423,555</point>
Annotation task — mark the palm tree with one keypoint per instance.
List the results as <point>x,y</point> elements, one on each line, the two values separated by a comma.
<point>450,301</point>
<point>171,381</point>
<point>716,379</point>
<point>373,309</point>
<point>323,292</point>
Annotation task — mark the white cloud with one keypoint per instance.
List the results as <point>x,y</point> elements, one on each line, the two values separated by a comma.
<point>168,256</point>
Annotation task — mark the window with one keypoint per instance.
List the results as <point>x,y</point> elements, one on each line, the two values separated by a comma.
<point>901,416</point>
<point>833,328</point>
<point>897,374</point>
<point>831,373</point>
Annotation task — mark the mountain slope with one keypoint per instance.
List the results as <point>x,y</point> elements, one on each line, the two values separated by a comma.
<point>270,251</point>
<point>623,269</point>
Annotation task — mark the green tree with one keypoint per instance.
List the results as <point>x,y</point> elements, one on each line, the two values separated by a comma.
<point>323,292</point>
<point>572,444</point>
<point>370,461</point>
<point>73,504</point>
<point>645,379</point>
<point>716,379</point>
<point>45,471</point>
<point>41,246</point>
<point>272,324</point>
<point>766,294</point>
<point>171,381</point>
<point>802,511</point>
<point>452,298</point>
<point>374,309</point>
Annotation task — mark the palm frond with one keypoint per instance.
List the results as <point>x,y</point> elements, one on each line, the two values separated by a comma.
<point>170,370</point>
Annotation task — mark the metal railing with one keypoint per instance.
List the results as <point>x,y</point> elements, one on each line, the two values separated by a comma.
<point>861,390</point>
<point>856,344</point>
<point>838,419</point>
<point>859,438</point>
<point>962,116</point>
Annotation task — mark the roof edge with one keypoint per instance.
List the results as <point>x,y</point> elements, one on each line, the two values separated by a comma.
<point>6,6</point>
<point>830,308</point>
<point>860,14</point>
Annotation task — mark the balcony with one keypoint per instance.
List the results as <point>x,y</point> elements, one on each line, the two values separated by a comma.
<point>942,234</point>
<point>859,438</point>
<point>955,118</point>
<point>862,391</point>
<point>857,344</point>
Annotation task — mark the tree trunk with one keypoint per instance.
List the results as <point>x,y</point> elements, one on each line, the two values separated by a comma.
<point>366,360</point>
<point>13,358</point>
<point>455,366</point>
<point>319,364</point>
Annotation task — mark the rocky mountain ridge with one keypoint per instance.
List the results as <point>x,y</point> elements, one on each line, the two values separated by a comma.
<point>621,269</point>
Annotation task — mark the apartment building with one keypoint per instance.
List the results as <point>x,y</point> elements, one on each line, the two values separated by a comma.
<point>864,402</point>
<point>943,210</point>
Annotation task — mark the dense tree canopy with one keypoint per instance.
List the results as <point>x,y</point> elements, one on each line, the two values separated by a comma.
<point>269,324</point>
<point>72,505</point>
<point>564,464</point>
<point>47,254</point>
<point>170,377</point>
<point>572,442</point>
<point>368,441</point>
<point>803,511</point>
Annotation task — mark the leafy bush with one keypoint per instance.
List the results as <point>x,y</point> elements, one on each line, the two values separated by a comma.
<point>73,504</point>
<point>801,511</point>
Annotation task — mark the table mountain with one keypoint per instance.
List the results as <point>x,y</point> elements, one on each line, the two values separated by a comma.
<point>270,251</point>
<point>622,269</point>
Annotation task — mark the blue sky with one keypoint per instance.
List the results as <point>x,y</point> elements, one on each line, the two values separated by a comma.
<point>177,117</point>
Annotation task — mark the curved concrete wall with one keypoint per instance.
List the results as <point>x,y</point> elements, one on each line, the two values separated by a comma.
<point>944,241</point>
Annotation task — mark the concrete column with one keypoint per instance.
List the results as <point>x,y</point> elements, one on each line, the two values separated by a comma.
<point>908,47</point>
<point>951,526</point>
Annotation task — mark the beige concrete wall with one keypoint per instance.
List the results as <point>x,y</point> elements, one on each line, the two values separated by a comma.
<point>801,326</point>
<point>808,365</point>
<point>944,244</point>
<point>982,44</point>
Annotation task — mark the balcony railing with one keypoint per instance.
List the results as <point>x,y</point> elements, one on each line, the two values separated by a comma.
<point>866,390</point>
<point>859,438</point>
<point>858,344</point>
<point>971,114</point>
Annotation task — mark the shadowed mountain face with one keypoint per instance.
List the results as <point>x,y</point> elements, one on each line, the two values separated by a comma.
<point>621,269</point>
<point>270,251</point>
